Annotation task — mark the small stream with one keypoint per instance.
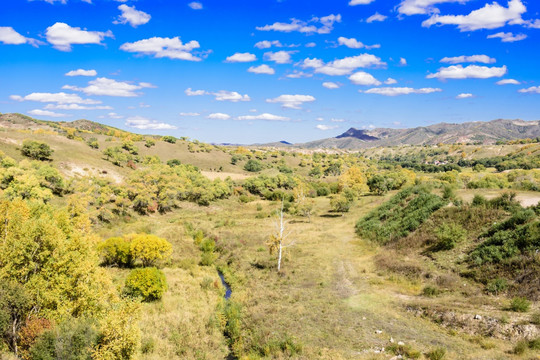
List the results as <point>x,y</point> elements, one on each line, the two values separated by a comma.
<point>228,290</point>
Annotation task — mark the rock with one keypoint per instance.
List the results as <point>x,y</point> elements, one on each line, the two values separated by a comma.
<point>477,317</point>
<point>378,331</point>
<point>401,343</point>
<point>392,340</point>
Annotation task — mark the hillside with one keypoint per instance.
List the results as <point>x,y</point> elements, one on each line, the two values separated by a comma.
<point>471,132</point>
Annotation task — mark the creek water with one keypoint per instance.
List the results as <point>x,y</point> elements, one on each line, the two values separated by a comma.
<point>228,290</point>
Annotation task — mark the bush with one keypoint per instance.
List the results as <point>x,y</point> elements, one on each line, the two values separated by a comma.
<point>149,143</point>
<point>535,318</point>
<point>36,150</point>
<point>341,203</point>
<point>116,251</point>
<point>436,354</point>
<point>449,235</point>
<point>253,166</point>
<point>521,347</point>
<point>148,283</point>
<point>519,304</point>
<point>169,139</point>
<point>150,249</point>
<point>497,286</point>
<point>430,291</point>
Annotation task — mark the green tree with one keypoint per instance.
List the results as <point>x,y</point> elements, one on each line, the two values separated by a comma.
<point>379,184</point>
<point>150,249</point>
<point>36,150</point>
<point>15,304</point>
<point>169,139</point>
<point>116,251</point>
<point>253,166</point>
<point>147,283</point>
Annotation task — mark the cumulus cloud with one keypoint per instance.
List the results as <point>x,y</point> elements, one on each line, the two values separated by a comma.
<point>233,96</point>
<point>360,2</point>
<point>355,44</point>
<point>62,36</point>
<point>468,59</point>
<point>38,112</point>
<point>308,27</point>
<point>132,16</point>
<point>298,74</point>
<point>76,107</point>
<point>376,17</point>
<point>81,72</point>
<point>112,115</point>
<point>507,36</point>
<point>262,69</point>
<point>402,61</point>
<point>326,127</point>
<point>190,92</point>
<point>109,87</point>
<point>266,44</point>
<point>189,114</point>
<point>9,36</point>
<point>491,16</point>
<point>291,101</point>
<point>195,5</point>
<point>241,57</point>
<point>265,116</point>
<point>58,98</point>
<point>279,57</point>
<point>310,45</point>
<point>532,89</point>
<point>395,91</point>
<point>469,72</point>
<point>159,47</point>
<point>390,81</point>
<point>219,116</point>
<point>363,78</point>
<point>330,85</point>
<point>142,123</point>
<point>343,66</point>
<point>464,96</point>
<point>508,82</point>
<point>418,7</point>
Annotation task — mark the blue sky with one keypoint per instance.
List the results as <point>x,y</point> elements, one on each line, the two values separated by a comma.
<point>267,70</point>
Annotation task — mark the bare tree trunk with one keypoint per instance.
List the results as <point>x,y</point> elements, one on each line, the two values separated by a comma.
<point>281,229</point>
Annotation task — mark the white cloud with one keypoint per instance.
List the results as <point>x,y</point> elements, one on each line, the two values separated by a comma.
<point>76,107</point>
<point>140,122</point>
<point>376,17</point>
<point>189,114</point>
<point>390,81</point>
<point>112,115</point>
<point>279,57</point>
<point>190,92</point>
<point>532,89</point>
<point>360,2</point>
<point>491,16</point>
<point>469,72</point>
<point>38,112</point>
<point>9,36</point>
<point>262,69</point>
<point>195,5</point>
<point>58,98</point>
<point>326,127</point>
<point>81,72</point>
<point>337,120</point>
<point>219,116</point>
<point>469,59</point>
<point>355,44</point>
<point>233,96</point>
<point>507,36</point>
<point>395,91</point>
<point>241,57</point>
<point>159,47</point>
<point>298,74</point>
<point>330,85</point>
<point>265,44</point>
<point>343,66</point>
<point>132,16</point>
<point>363,78</point>
<point>110,87</point>
<point>402,61</point>
<point>508,82</point>
<point>265,116</point>
<point>308,27</point>
<point>417,7</point>
<point>464,96</point>
<point>62,36</point>
<point>310,45</point>
<point>291,101</point>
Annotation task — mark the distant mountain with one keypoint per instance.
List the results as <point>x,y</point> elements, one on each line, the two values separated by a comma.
<point>471,132</point>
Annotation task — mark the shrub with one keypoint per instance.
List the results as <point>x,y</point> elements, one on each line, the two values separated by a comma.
<point>149,143</point>
<point>30,332</point>
<point>174,162</point>
<point>449,235</point>
<point>521,347</point>
<point>535,318</point>
<point>430,291</point>
<point>36,150</point>
<point>497,286</point>
<point>253,166</point>
<point>147,283</point>
<point>169,139</point>
<point>116,251</point>
<point>150,249</point>
<point>341,203</point>
<point>93,143</point>
<point>406,351</point>
<point>519,304</point>
<point>436,354</point>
